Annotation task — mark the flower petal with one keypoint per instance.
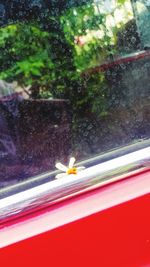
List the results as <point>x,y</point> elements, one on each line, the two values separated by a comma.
<point>60,175</point>
<point>80,168</point>
<point>61,167</point>
<point>71,162</point>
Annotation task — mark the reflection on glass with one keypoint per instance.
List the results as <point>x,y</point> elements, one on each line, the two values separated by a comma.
<point>73,81</point>
<point>142,14</point>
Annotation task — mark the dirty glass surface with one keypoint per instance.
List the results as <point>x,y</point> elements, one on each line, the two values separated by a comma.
<point>142,13</point>
<point>74,81</point>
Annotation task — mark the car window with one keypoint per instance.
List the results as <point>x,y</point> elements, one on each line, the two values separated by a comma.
<point>74,82</point>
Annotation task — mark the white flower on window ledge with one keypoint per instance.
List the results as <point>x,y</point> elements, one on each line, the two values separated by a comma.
<point>71,169</point>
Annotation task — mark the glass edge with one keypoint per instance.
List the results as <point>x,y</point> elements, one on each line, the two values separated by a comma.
<point>92,177</point>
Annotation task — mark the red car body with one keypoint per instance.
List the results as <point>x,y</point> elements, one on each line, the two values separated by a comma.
<point>109,226</point>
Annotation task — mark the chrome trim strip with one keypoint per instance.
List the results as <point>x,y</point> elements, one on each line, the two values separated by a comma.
<point>39,179</point>
<point>93,177</point>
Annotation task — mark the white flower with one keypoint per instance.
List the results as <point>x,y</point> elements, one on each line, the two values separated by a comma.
<point>67,170</point>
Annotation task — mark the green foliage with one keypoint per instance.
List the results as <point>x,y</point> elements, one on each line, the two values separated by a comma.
<point>121,1</point>
<point>87,23</point>
<point>26,55</point>
<point>53,61</point>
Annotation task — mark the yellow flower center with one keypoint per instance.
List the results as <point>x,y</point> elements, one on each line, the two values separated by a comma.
<point>72,171</point>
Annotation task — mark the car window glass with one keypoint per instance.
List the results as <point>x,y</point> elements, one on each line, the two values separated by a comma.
<point>74,81</point>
